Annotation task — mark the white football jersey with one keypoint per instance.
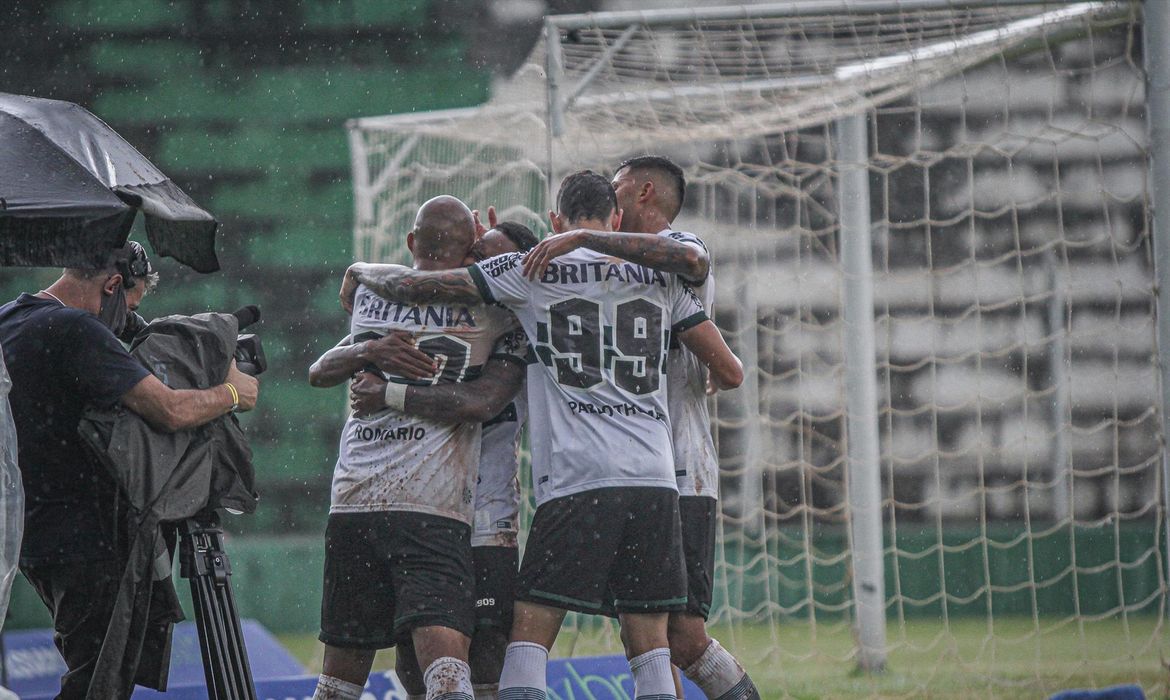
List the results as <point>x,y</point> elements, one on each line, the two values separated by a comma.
<point>497,489</point>
<point>600,328</point>
<point>696,463</point>
<point>392,461</point>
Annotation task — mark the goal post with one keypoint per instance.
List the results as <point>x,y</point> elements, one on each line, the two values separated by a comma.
<point>935,243</point>
<point>862,474</point>
<point>1157,54</point>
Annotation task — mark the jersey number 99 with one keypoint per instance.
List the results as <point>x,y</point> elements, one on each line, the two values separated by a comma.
<point>580,348</point>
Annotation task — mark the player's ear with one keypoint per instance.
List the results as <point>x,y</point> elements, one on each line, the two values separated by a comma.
<point>558,223</point>
<point>646,191</point>
<point>410,242</point>
<point>615,222</point>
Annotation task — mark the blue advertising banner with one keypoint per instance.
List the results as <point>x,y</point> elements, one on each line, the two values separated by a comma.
<point>586,678</point>
<point>35,667</point>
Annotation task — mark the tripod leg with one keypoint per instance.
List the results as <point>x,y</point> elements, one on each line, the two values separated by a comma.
<point>237,653</point>
<point>225,657</point>
<point>212,640</point>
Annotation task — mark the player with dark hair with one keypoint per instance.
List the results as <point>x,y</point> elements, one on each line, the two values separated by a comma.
<point>606,526</point>
<point>398,553</point>
<point>639,181</point>
<point>650,191</point>
<point>496,522</point>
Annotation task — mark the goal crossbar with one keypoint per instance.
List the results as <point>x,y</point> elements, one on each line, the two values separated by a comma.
<point>1014,31</point>
<point>803,8</point>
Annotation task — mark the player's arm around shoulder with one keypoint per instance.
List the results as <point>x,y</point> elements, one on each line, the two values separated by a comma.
<point>705,341</point>
<point>474,401</point>
<point>401,283</point>
<point>681,256</point>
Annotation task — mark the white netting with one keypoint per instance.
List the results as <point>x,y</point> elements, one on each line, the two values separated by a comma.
<point>1013,299</point>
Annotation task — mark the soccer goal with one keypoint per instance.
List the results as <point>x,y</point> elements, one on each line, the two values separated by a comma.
<point>934,249</point>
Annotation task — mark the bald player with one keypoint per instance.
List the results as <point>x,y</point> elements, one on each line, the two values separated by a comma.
<point>650,192</point>
<point>398,559</point>
<point>607,522</point>
<point>496,401</point>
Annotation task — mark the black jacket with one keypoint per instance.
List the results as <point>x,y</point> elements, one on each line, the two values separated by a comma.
<point>164,477</point>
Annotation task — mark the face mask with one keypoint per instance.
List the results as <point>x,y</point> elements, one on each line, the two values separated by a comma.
<point>113,310</point>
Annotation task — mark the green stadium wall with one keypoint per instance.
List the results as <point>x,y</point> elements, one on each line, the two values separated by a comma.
<point>278,580</point>
<point>243,103</point>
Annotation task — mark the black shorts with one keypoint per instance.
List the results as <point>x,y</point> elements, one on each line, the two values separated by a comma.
<point>622,544</point>
<point>387,573</point>
<point>698,515</point>
<point>495,586</point>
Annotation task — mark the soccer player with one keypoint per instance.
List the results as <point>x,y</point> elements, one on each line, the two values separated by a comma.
<point>495,525</point>
<point>606,526</point>
<point>397,546</point>
<point>650,192</point>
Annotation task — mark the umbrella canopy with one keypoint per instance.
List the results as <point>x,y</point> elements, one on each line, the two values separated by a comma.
<point>70,187</point>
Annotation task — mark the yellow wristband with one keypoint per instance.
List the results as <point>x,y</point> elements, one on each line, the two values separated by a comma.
<point>235,397</point>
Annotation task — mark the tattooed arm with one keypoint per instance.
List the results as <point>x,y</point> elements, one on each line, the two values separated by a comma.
<point>401,283</point>
<point>394,353</point>
<point>466,402</point>
<point>656,252</point>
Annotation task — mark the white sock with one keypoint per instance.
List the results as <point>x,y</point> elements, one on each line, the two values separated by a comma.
<point>523,677</point>
<point>448,678</point>
<point>720,676</point>
<point>652,677</point>
<point>330,688</point>
<point>486,691</point>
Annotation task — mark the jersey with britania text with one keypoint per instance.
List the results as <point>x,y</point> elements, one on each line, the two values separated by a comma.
<point>391,461</point>
<point>497,489</point>
<point>599,328</point>
<point>696,463</point>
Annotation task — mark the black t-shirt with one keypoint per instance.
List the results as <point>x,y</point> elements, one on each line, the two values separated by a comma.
<point>62,360</point>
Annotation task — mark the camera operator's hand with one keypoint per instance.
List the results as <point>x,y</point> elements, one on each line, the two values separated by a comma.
<point>367,394</point>
<point>247,387</point>
<point>395,353</point>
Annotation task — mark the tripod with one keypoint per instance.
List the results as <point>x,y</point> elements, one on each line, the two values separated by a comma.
<point>221,638</point>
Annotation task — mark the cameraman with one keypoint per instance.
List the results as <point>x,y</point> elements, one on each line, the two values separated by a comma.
<point>63,353</point>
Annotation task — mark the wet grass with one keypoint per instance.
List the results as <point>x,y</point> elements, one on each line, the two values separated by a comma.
<point>1014,658</point>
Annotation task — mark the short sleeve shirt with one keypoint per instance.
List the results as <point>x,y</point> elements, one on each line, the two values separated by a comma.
<point>391,461</point>
<point>63,360</point>
<point>696,463</point>
<point>600,330</point>
<point>497,488</point>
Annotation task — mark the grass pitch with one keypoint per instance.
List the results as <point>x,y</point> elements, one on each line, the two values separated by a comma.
<point>967,658</point>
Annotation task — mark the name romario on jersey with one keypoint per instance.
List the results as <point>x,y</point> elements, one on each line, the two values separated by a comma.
<point>600,330</point>
<point>696,463</point>
<point>392,461</point>
<point>497,488</point>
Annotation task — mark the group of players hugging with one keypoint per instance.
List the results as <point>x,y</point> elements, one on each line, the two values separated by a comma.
<point>596,337</point>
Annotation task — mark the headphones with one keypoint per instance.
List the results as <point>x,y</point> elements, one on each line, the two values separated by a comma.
<point>131,262</point>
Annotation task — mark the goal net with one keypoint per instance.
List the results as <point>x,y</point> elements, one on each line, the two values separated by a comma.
<point>1016,431</point>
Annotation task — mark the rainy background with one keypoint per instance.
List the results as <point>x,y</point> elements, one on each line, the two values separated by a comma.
<point>243,104</point>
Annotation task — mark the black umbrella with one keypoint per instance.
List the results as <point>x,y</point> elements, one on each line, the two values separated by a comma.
<point>70,187</point>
